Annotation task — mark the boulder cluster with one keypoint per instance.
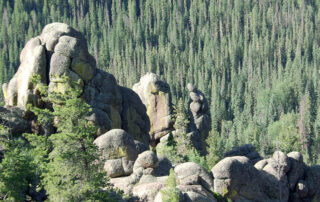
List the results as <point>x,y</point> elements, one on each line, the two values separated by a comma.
<point>131,121</point>
<point>282,177</point>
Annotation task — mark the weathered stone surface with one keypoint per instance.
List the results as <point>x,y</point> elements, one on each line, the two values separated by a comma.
<point>278,166</point>
<point>100,118</point>
<point>141,147</point>
<point>13,119</point>
<point>60,57</point>
<point>261,164</point>
<point>302,189</point>
<point>134,117</point>
<point>155,95</point>
<point>33,61</point>
<point>186,170</point>
<point>199,118</point>
<point>52,32</point>
<point>59,64</point>
<point>122,183</point>
<point>147,191</point>
<point>196,193</point>
<point>247,150</point>
<point>147,159</point>
<point>236,178</point>
<point>313,181</point>
<point>114,168</point>
<point>164,167</point>
<point>119,151</point>
<point>296,172</point>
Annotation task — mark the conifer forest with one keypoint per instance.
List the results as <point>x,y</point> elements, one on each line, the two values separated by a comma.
<point>256,61</point>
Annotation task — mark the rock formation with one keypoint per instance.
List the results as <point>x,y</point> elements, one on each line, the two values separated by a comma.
<point>199,115</point>
<point>247,150</point>
<point>60,57</point>
<point>118,151</point>
<point>155,95</point>
<point>283,177</point>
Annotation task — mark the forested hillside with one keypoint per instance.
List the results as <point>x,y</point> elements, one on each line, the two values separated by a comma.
<point>257,62</point>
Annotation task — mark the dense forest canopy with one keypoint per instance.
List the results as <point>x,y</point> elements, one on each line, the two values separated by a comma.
<point>257,62</point>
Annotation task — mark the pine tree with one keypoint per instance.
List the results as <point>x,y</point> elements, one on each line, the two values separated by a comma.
<point>170,192</point>
<point>74,171</point>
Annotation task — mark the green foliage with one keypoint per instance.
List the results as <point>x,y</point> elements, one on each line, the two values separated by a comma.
<point>194,156</point>
<point>169,149</point>
<point>171,142</point>
<point>215,149</point>
<point>74,171</point>
<point>181,118</point>
<point>68,161</point>
<point>170,193</point>
<point>285,133</point>
<point>251,64</point>
<point>17,171</point>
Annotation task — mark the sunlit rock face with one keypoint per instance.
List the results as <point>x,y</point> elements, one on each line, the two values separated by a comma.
<point>59,57</point>
<point>155,95</point>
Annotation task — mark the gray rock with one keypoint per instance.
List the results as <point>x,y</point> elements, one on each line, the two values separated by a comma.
<point>33,63</point>
<point>196,193</point>
<point>100,118</point>
<point>296,172</point>
<point>68,46</point>
<point>13,119</point>
<point>61,51</point>
<point>155,95</point>
<point>199,118</point>
<point>119,151</point>
<point>141,147</point>
<point>114,168</point>
<point>236,178</point>
<point>261,164</point>
<point>278,165</point>
<point>147,191</point>
<point>164,167</point>
<point>194,172</point>
<point>52,32</point>
<point>302,189</point>
<point>196,197</point>
<point>147,159</point>
<point>313,181</point>
<point>59,64</point>
<point>134,116</point>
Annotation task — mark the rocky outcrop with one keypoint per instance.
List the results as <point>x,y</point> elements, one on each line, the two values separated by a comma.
<point>145,165</point>
<point>193,174</point>
<point>312,182</point>
<point>199,114</point>
<point>247,150</point>
<point>155,95</point>
<point>14,120</point>
<point>60,58</point>
<point>194,183</point>
<point>283,177</point>
<point>118,151</point>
